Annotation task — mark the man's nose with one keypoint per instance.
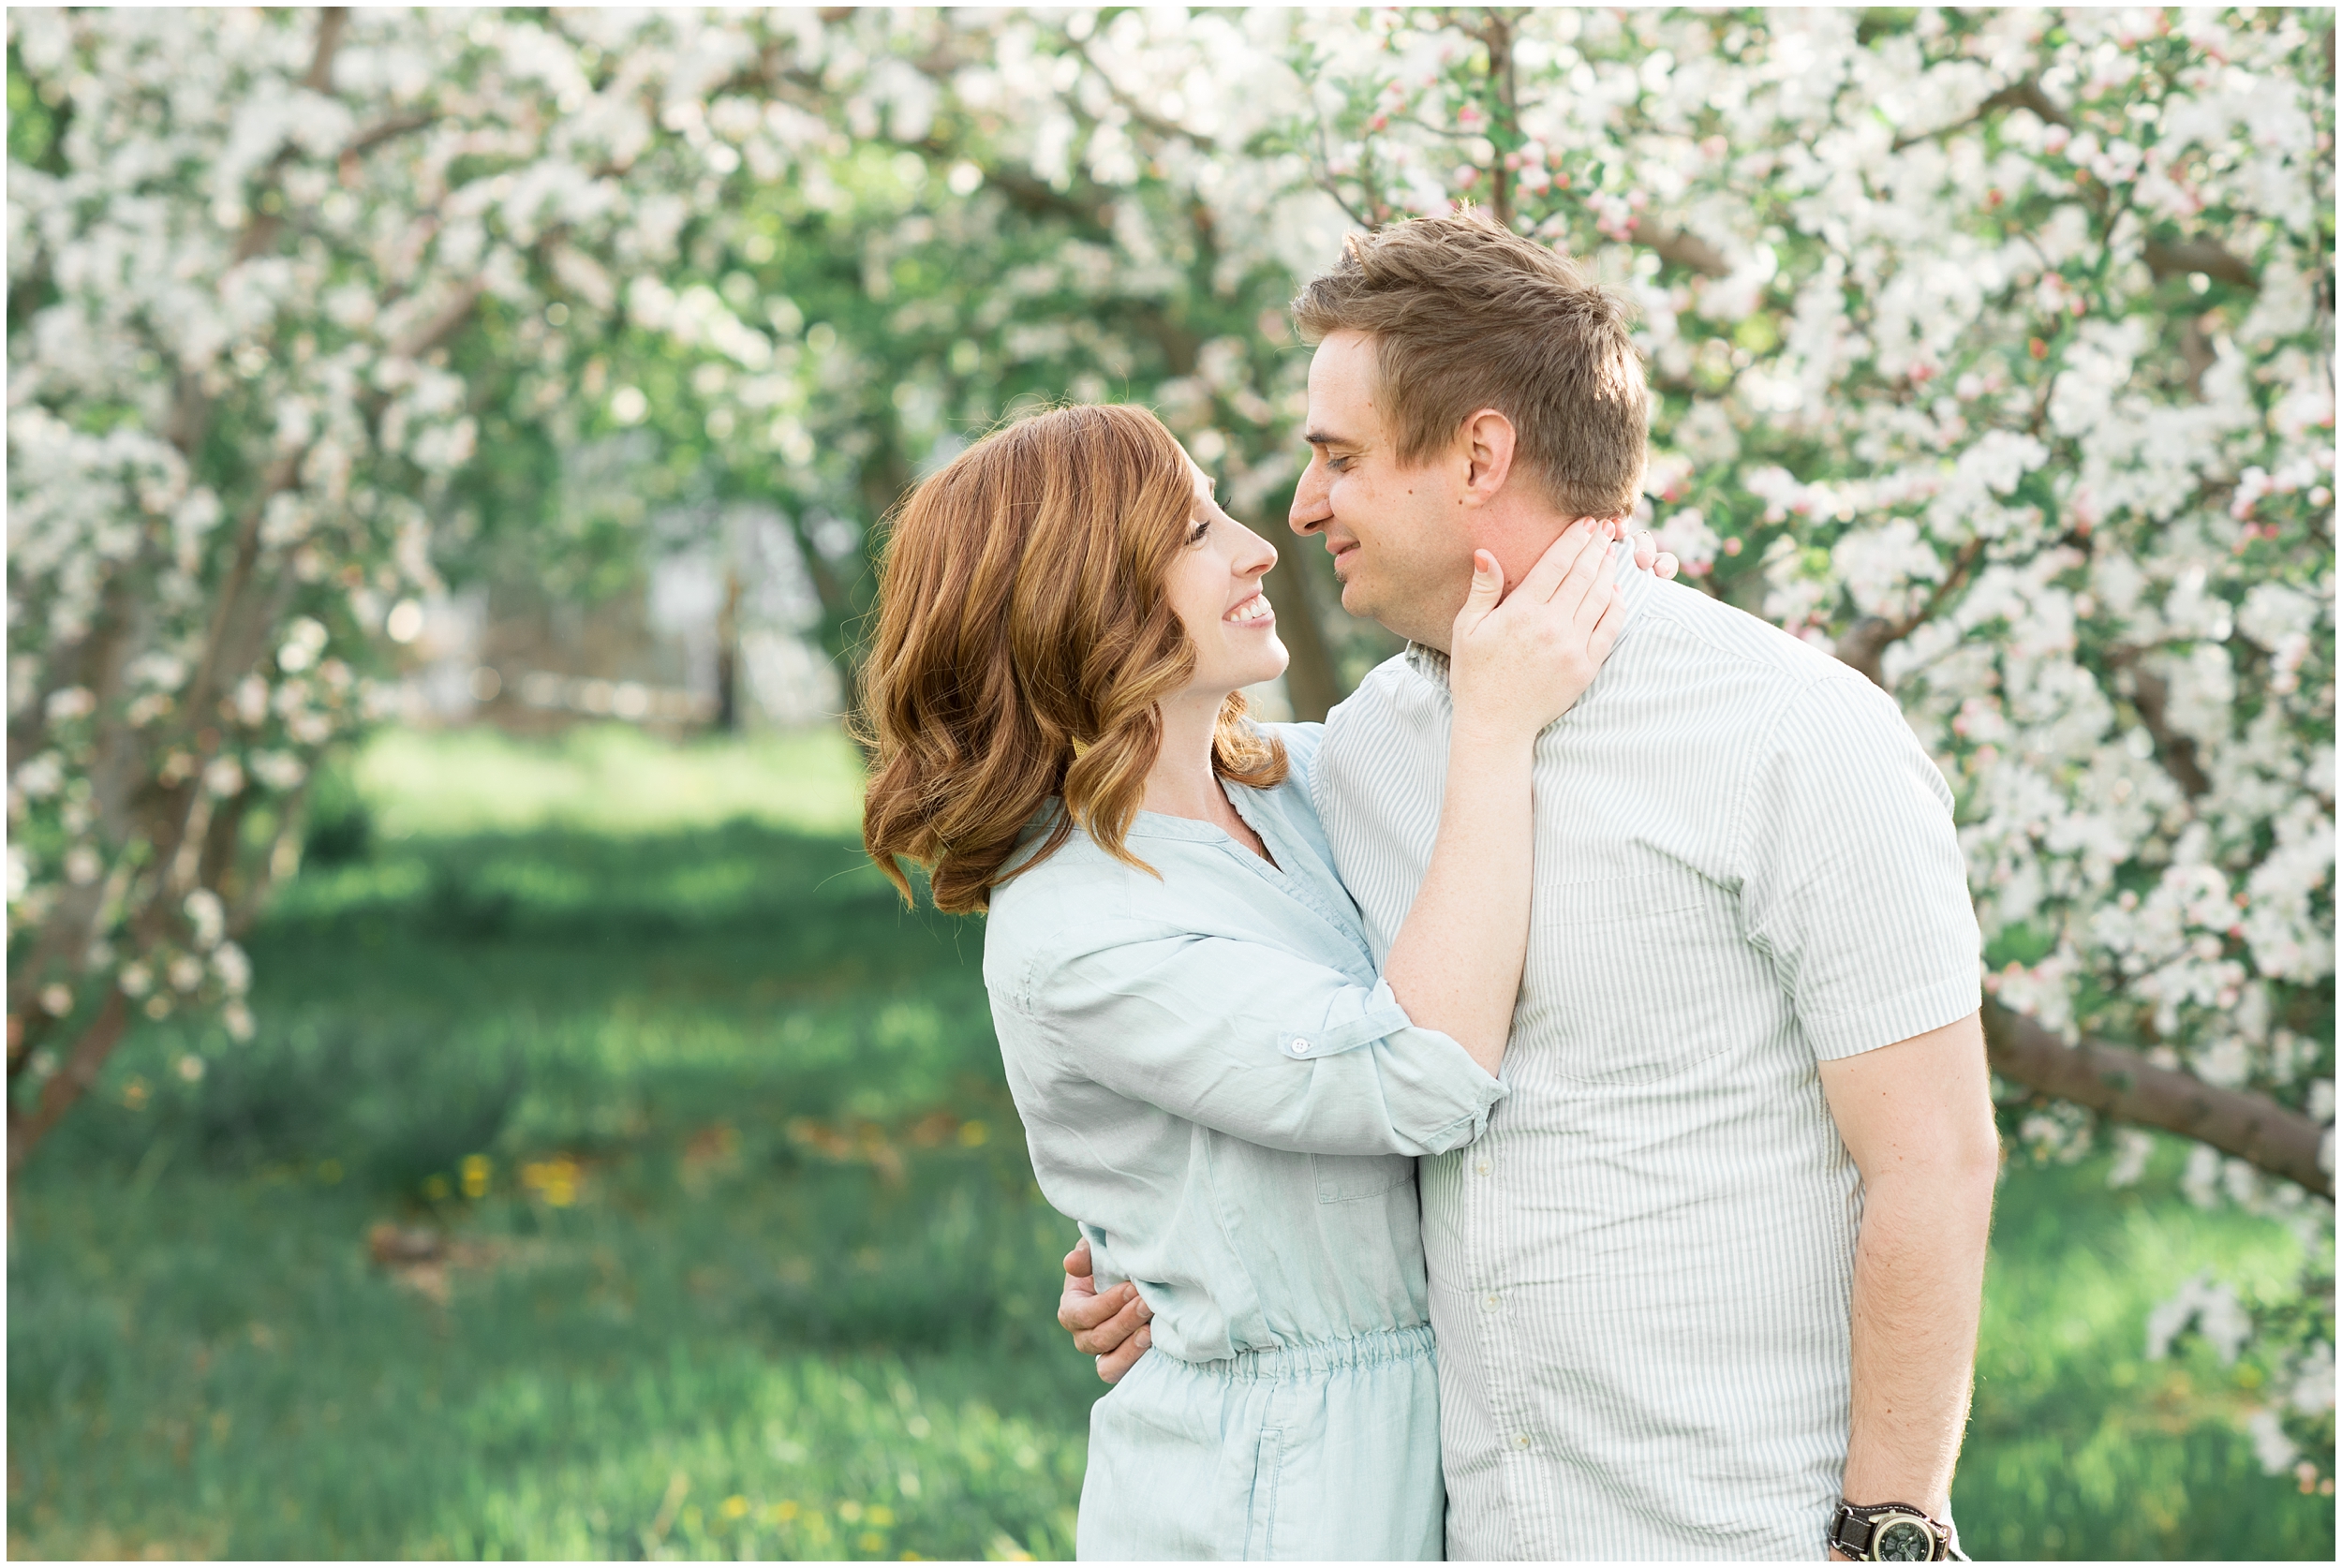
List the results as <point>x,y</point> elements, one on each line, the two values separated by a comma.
<point>1310,511</point>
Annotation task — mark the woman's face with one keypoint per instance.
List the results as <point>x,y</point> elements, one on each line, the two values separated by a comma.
<point>1215,587</point>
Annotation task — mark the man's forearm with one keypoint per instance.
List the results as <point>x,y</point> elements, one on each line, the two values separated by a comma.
<point>1919,1276</point>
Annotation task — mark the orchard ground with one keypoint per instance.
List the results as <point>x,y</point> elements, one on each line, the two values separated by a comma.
<point>619,1171</point>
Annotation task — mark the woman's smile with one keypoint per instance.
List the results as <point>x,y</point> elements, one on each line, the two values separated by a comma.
<point>1252,610</point>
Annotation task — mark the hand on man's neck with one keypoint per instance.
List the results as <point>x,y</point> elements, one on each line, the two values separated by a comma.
<point>1516,528</point>
<point>1497,506</point>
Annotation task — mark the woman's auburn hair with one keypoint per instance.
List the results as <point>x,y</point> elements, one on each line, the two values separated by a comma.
<point>1024,639</point>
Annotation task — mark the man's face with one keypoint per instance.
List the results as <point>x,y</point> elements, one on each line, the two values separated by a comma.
<point>1400,538</point>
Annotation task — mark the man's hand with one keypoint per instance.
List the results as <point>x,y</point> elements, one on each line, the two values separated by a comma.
<point>1112,1327</point>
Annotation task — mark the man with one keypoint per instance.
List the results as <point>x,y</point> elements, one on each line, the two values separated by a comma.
<point>1715,1268</point>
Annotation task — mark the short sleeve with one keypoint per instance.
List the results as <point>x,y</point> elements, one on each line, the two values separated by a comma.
<point>1256,1043</point>
<point>1853,878</point>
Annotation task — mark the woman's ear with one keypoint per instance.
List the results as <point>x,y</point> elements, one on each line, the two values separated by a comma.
<point>1489,441</point>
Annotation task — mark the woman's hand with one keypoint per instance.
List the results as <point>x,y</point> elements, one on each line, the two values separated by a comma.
<point>1518,665</point>
<point>1649,557</point>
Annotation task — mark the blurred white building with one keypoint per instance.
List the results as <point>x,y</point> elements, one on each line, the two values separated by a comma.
<point>728,589</point>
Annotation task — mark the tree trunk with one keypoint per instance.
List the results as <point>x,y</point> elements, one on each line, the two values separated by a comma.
<point>728,655</point>
<point>73,1080</point>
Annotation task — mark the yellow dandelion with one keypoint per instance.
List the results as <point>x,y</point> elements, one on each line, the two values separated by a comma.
<point>781,1512</point>
<point>476,1170</point>
<point>880,1515</point>
<point>734,1507</point>
<point>973,1134</point>
<point>872,1541</point>
<point>553,1180</point>
<point>850,1511</point>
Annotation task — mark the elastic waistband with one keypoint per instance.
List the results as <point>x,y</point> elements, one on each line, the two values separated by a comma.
<point>1307,1357</point>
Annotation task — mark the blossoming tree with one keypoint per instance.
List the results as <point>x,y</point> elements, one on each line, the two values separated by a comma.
<point>1993,352</point>
<point>263,266</point>
<point>309,308</point>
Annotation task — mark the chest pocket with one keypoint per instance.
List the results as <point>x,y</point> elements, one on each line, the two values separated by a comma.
<point>1629,978</point>
<point>1343,1178</point>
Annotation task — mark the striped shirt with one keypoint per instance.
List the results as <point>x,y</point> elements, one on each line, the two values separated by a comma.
<point>1641,1276</point>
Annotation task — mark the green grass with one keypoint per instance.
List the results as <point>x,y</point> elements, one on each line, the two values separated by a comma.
<point>607,778</point>
<point>756,1265</point>
<point>2077,1445</point>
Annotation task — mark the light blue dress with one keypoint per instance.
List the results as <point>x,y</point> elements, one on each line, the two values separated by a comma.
<point>1216,1082</point>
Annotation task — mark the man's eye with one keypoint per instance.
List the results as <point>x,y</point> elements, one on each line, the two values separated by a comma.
<point>1339,465</point>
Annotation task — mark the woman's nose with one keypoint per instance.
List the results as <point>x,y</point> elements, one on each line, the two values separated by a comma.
<point>1258,558</point>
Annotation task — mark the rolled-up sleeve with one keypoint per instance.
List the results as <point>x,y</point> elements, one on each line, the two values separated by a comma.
<point>1256,1043</point>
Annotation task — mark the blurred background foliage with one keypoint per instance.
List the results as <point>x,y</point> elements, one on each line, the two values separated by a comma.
<point>612,1168</point>
<point>619,1171</point>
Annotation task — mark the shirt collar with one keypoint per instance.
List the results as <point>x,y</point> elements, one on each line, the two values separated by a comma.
<point>1639,588</point>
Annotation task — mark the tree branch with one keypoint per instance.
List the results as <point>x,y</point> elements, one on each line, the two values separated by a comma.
<point>432,333</point>
<point>2124,1085</point>
<point>332,20</point>
<point>1865,643</point>
<point>1685,249</point>
<point>2208,256</point>
<point>261,232</point>
<point>389,131</point>
<point>2151,695</point>
<point>2027,94</point>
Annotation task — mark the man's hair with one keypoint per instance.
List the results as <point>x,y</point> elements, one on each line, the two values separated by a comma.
<point>1467,315</point>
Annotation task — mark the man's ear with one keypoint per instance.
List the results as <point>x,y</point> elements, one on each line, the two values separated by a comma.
<point>1487,449</point>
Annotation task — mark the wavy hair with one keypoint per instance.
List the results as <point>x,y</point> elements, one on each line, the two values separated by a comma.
<point>1024,640</point>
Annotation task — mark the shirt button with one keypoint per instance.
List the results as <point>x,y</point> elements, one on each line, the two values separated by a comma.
<point>1492,1299</point>
<point>1521,1442</point>
<point>1300,1047</point>
<point>1482,1167</point>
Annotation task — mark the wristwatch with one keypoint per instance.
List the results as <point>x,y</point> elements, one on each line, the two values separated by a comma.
<point>1891,1532</point>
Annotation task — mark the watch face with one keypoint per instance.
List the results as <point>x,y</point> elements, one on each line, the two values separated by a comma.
<point>1905,1539</point>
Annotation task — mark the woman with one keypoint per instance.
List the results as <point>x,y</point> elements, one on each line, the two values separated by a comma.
<point>1211,1073</point>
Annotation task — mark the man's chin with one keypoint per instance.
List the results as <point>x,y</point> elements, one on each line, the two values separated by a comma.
<point>1359,599</point>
